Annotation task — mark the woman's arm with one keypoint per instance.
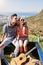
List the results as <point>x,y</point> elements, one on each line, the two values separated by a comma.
<point>25,31</point>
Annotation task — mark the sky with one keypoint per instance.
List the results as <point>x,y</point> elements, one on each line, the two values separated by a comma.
<point>21,5</point>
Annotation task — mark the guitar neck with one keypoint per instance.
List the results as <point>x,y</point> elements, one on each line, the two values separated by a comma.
<point>29,52</point>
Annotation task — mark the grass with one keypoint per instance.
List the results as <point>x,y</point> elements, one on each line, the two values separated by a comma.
<point>33,38</point>
<point>8,58</point>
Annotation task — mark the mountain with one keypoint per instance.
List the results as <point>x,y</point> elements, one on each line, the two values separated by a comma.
<point>35,23</point>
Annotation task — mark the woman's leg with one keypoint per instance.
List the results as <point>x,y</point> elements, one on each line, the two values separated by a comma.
<point>25,45</point>
<point>21,46</point>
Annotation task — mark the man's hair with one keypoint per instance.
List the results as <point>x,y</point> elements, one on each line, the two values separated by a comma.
<point>13,15</point>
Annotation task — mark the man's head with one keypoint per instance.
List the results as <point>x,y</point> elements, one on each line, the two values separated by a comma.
<point>13,19</point>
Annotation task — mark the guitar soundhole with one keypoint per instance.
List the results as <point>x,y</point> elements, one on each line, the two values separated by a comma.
<point>20,58</point>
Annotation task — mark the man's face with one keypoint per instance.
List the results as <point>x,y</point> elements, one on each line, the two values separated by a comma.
<point>14,20</point>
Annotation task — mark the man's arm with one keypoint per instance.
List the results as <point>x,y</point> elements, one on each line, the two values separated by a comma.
<point>3,36</point>
<point>17,36</point>
<point>4,32</point>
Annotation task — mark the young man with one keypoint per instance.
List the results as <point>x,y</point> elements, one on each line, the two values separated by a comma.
<point>10,31</point>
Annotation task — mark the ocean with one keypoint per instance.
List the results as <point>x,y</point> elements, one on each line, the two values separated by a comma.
<point>4,16</point>
<point>23,14</point>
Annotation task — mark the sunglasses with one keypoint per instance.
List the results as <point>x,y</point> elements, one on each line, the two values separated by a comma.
<point>22,19</point>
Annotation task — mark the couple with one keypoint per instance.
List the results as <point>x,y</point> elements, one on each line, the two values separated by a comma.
<point>13,32</point>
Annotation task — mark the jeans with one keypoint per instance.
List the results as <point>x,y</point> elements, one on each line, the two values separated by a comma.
<point>6,42</point>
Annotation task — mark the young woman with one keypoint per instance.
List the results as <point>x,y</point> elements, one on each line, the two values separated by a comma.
<point>22,31</point>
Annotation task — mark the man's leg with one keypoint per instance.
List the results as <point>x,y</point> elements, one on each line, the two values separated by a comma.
<point>16,44</point>
<point>5,43</point>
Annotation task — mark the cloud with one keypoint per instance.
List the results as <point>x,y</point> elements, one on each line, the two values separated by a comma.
<point>21,5</point>
<point>2,2</point>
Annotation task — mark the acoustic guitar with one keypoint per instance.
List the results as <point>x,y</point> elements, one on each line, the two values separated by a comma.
<point>21,59</point>
<point>18,60</point>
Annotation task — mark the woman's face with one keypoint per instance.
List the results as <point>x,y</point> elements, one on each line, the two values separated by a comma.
<point>21,21</point>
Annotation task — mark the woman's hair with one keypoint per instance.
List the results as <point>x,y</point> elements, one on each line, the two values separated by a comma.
<point>19,19</point>
<point>25,24</point>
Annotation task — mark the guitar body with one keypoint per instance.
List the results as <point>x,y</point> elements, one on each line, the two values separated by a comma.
<point>17,61</point>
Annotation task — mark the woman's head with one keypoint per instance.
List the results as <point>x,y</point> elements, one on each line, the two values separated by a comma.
<point>21,21</point>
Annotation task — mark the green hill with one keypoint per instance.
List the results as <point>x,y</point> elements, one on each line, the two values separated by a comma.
<point>35,23</point>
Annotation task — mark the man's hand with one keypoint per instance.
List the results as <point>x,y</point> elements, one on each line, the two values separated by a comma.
<point>14,40</point>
